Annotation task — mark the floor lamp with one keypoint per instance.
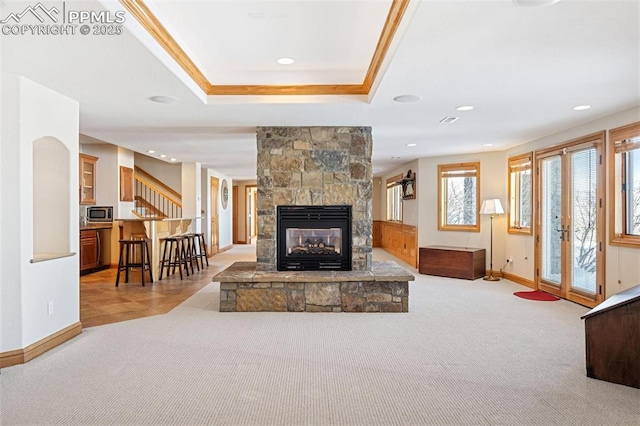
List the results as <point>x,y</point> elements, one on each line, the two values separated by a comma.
<point>491,207</point>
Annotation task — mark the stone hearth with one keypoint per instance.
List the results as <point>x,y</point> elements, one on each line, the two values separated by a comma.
<point>315,166</point>
<point>243,288</point>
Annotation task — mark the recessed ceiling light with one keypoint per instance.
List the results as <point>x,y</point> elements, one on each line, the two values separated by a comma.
<point>162,155</point>
<point>487,144</point>
<point>412,144</point>
<point>535,3</point>
<point>581,107</point>
<point>285,61</point>
<point>164,99</point>
<point>151,151</point>
<point>173,159</point>
<point>464,108</point>
<point>407,99</point>
<point>448,120</point>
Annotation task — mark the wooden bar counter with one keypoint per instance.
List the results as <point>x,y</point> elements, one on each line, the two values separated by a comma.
<point>154,230</point>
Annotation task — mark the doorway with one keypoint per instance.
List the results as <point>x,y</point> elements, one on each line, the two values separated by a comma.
<point>251,226</point>
<point>570,221</point>
<point>215,244</point>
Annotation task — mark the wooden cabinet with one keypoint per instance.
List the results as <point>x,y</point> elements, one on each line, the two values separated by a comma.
<point>87,179</point>
<point>400,240</point>
<point>453,262</point>
<point>126,184</point>
<point>89,249</point>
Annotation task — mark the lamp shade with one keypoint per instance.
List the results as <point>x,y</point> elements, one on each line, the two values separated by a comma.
<point>491,206</point>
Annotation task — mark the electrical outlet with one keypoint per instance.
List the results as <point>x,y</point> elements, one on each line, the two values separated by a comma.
<point>50,308</point>
<point>509,259</point>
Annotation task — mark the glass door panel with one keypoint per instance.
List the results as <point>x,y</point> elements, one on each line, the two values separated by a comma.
<point>551,220</point>
<point>582,234</point>
<point>569,220</point>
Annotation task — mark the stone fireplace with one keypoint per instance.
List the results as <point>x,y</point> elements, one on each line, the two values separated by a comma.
<point>314,166</point>
<point>314,247</point>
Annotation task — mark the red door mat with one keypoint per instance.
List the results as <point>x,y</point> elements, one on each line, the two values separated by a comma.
<point>536,295</point>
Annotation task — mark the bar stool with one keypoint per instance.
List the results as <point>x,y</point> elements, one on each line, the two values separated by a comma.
<point>126,262</point>
<point>202,248</point>
<point>175,246</point>
<point>189,250</point>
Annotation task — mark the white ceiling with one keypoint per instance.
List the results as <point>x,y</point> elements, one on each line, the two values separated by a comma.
<point>522,68</point>
<point>332,42</point>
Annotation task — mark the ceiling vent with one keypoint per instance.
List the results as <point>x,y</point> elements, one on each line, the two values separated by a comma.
<point>448,119</point>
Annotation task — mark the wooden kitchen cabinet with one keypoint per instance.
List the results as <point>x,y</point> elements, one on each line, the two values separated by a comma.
<point>89,249</point>
<point>87,179</point>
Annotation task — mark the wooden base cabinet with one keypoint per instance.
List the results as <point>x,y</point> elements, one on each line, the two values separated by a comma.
<point>400,240</point>
<point>453,262</point>
<point>89,249</point>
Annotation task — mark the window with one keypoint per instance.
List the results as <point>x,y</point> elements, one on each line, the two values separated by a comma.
<point>625,185</point>
<point>458,197</point>
<point>520,192</point>
<point>394,198</point>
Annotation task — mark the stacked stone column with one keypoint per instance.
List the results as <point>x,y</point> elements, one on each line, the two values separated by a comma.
<point>316,166</point>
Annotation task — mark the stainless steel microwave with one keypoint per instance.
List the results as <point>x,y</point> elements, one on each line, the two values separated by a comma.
<point>100,214</point>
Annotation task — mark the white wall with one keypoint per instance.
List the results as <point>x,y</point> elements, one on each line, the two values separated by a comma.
<point>493,184</point>
<point>107,190</point>
<point>621,263</point>
<point>168,173</point>
<point>410,208</point>
<point>191,191</point>
<point>50,196</point>
<point>31,112</point>
<point>376,202</point>
<point>123,209</point>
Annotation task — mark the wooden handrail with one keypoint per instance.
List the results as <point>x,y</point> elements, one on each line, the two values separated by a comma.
<point>150,178</point>
<point>147,205</point>
<point>160,191</point>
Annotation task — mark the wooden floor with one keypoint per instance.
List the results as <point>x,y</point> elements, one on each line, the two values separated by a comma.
<point>101,302</point>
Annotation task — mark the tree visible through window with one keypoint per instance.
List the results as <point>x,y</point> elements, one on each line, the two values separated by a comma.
<point>459,197</point>
<point>625,185</point>
<point>520,193</point>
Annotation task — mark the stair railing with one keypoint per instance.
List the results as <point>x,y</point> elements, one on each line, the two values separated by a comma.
<point>153,199</point>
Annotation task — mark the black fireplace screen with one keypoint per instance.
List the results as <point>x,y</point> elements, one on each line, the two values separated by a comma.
<point>313,241</point>
<point>314,238</point>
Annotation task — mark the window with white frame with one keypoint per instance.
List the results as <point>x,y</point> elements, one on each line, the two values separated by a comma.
<point>459,197</point>
<point>624,181</point>
<point>520,194</point>
<point>394,199</point>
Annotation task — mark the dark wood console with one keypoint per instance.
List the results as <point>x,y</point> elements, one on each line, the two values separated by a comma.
<point>613,339</point>
<point>454,262</point>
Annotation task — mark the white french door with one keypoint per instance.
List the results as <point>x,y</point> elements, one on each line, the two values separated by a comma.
<point>570,221</point>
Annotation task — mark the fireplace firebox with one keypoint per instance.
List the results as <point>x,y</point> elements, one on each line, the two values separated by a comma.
<point>314,238</point>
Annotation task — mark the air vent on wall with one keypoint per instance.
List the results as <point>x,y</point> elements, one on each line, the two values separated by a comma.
<point>448,120</point>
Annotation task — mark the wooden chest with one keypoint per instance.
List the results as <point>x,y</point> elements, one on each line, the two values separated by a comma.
<point>455,262</point>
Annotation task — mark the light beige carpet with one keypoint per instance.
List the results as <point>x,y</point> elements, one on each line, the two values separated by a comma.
<point>468,352</point>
